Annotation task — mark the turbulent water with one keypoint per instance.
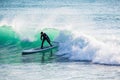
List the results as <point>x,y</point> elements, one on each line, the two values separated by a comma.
<point>87,31</point>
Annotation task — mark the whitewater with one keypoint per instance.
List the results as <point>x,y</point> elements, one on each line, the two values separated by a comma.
<point>88,32</point>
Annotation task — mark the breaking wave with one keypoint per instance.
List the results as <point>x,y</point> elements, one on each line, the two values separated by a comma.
<point>81,47</point>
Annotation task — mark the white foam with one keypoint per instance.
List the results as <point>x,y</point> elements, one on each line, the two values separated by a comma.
<point>82,47</point>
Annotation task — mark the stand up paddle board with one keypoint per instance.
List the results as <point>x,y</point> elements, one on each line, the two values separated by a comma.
<point>36,50</point>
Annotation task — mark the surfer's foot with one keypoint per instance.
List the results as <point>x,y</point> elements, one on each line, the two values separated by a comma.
<point>51,45</point>
<point>41,47</point>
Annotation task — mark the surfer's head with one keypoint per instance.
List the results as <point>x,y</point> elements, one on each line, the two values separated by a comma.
<point>41,32</point>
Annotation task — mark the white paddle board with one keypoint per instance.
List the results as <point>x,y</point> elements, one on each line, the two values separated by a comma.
<point>36,50</point>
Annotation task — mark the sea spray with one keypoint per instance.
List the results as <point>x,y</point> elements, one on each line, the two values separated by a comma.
<point>83,47</point>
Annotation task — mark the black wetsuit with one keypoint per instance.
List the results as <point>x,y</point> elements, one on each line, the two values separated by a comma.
<point>43,38</point>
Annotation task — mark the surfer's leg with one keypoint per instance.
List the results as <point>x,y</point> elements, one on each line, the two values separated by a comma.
<point>48,40</point>
<point>42,43</point>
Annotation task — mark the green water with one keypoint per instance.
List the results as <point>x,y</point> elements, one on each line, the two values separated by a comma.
<point>7,35</point>
<point>12,46</point>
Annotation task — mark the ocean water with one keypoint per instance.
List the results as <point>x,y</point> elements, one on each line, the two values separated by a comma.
<point>88,32</point>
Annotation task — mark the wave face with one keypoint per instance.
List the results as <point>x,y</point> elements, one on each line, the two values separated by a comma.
<point>86,29</point>
<point>9,37</point>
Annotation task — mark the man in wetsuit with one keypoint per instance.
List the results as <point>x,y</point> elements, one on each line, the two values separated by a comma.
<point>44,37</point>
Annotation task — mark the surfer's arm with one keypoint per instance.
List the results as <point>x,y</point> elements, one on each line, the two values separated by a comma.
<point>41,37</point>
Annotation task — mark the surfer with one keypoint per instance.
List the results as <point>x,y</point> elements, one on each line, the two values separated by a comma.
<point>44,37</point>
